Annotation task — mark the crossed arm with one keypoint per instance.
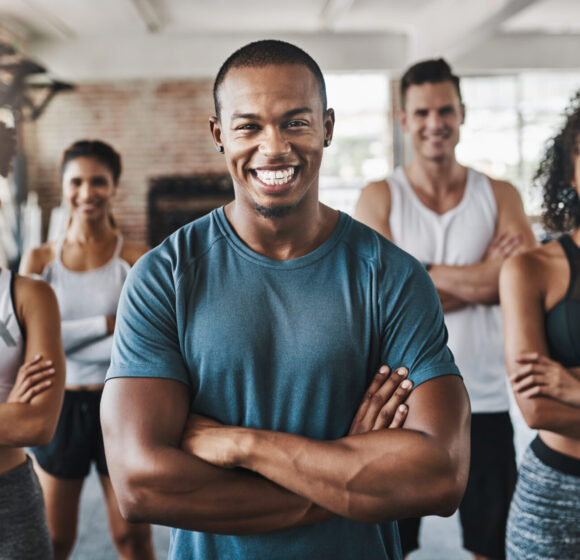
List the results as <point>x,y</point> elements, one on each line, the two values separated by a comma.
<point>458,286</point>
<point>30,414</point>
<point>288,480</point>
<point>547,393</point>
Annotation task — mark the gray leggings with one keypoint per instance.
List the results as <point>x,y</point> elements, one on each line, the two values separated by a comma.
<point>544,518</point>
<point>23,528</point>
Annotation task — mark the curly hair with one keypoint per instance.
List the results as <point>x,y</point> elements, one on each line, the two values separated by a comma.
<point>561,205</point>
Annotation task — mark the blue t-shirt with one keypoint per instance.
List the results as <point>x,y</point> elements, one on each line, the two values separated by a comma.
<point>280,345</point>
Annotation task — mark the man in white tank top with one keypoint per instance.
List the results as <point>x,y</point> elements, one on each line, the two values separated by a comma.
<point>462,225</point>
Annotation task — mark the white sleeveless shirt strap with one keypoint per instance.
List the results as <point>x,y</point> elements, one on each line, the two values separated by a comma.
<point>11,335</point>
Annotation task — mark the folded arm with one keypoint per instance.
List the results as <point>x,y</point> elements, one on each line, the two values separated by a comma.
<point>32,421</point>
<point>526,350</point>
<point>78,333</point>
<point>93,351</point>
<point>478,283</point>
<point>372,477</point>
<point>157,479</point>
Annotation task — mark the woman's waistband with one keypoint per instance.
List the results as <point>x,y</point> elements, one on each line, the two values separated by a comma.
<point>560,462</point>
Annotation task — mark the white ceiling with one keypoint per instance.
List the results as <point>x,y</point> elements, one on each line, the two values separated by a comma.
<point>125,39</point>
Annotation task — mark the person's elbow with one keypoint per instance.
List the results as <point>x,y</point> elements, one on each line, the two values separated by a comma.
<point>34,430</point>
<point>132,490</point>
<point>39,434</point>
<point>452,489</point>
<point>536,412</point>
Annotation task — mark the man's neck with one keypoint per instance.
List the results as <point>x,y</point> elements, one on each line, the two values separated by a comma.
<point>288,237</point>
<point>437,177</point>
<point>440,185</point>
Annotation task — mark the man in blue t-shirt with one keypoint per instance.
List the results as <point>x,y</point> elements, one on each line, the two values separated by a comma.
<point>237,407</point>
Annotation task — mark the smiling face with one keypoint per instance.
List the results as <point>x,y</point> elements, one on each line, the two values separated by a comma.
<point>272,128</point>
<point>432,116</point>
<point>88,187</point>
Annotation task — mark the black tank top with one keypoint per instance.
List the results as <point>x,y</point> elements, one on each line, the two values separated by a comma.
<point>563,320</point>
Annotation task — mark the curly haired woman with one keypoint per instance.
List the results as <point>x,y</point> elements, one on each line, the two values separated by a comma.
<point>540,298</point>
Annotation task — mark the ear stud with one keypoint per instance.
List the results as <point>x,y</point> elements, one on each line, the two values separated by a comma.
<point>220,149</point>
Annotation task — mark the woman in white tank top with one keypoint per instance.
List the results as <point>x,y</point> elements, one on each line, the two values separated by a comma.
<point>86,269</point>
<point>30,399</point>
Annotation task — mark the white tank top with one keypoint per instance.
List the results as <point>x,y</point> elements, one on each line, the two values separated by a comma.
<point>460,236</point>
<point>11,337</point>
<point>85,299</point>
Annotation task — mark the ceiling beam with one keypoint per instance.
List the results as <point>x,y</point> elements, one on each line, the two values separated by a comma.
<point>166,56</point>
<point>333,11</point>
<point>449,28</point>
<point>149,13</point>
<point>48,19</point>
<point>522,51</point>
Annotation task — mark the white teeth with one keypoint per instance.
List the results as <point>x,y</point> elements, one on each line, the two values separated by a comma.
<point>278,177</point>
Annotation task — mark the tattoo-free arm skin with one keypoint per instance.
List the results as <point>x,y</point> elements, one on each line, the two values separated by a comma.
<point>156,481</point>
<point>373,477</point>
<point>523,319</point>
<point>479,282</point>
<point>34,422</point>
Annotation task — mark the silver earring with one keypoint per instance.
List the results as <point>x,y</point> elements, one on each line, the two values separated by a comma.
<point>220,149</point>
<point>326,143</point>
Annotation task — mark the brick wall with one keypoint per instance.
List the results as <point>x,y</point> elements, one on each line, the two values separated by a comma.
<point>160,128</point>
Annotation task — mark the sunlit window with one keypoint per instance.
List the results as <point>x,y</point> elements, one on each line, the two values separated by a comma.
<point>361,149</point>
<point>509,120</point>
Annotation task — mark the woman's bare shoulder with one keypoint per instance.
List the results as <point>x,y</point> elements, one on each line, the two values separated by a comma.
<point>131,251</point>
<point>36,260</point>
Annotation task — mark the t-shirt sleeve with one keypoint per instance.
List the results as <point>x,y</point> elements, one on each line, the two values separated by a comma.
<point>414,333</point>
<point>146,340</point>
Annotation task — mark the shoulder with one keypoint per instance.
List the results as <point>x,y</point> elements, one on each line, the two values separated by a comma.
<point>374,206</point>
<point>33,295</point>
<point>377,188</point>
<point>527,271</point>
<point>162,267</point>
<point>36,260</point>
<point>375,193</point>
<point>504,192</point>
<point>391,264</point>
<point>131,251</point>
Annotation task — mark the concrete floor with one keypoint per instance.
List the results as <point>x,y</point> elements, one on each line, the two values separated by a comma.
<point>439,538</point>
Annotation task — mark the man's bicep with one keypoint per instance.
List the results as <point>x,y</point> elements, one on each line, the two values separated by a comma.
<point>143,412</point>
<point>511,214</point>
<point>440,408</point>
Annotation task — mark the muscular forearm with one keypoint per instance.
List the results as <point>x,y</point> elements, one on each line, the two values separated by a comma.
<point>450,302</point>
<point>373,477</point>
<point>545,413</point>
<point>170,487</point>
<point>23,425</point>
<point>476,283</point>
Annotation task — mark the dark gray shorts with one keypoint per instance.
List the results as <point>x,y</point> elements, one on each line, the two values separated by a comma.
<point>544,520</point>
<point>23,529</point>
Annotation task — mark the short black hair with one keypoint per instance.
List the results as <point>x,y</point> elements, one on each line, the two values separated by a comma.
<point>431,71</point>
<point>97,149</point>
<point>555,174</point>
<point>264,53</point>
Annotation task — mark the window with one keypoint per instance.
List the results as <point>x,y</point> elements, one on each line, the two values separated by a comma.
<point>361,148</point>
<point>508,122</point>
